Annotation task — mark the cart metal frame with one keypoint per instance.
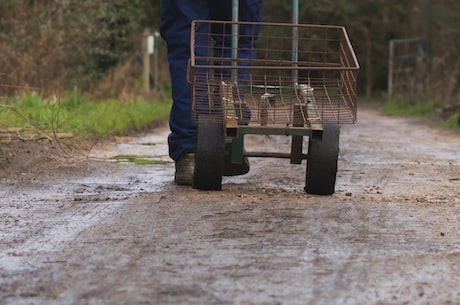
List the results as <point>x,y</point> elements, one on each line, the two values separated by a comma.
<point>300,81</point>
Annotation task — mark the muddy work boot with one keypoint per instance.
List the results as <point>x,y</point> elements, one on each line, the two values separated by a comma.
<point>234,169</point>
<point>184,170</point>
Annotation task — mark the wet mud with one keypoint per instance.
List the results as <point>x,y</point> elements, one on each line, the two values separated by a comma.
<point>114,229</point>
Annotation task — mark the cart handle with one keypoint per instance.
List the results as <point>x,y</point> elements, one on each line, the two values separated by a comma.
<point>295,37</point>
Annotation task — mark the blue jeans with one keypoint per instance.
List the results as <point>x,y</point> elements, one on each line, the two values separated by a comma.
<point>175,24</point>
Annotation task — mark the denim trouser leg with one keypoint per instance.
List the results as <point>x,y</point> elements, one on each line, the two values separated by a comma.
<point>175,29</point>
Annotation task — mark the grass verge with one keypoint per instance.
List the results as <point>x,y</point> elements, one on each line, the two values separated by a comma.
<point>80,115</point>
<point>399,107</point>
<point>453,122</point>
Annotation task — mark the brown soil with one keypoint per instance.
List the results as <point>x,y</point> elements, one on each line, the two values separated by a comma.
<point>79,230</point>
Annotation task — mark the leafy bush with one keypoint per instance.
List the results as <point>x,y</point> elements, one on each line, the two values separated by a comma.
<point>55,44</point>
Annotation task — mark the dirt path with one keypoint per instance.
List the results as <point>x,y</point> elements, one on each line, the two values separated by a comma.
<point>118,233</point>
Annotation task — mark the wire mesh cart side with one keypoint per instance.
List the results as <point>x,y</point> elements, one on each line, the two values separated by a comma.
<point>290,79</point>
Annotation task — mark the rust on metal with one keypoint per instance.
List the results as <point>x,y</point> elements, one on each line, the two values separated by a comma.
<point>324,89</point>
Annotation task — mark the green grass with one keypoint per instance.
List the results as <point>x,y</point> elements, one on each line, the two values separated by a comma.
<point>399,107</point>
<point>80,115</point>
<point>453,122</point>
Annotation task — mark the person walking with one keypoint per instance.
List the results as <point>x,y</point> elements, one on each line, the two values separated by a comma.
<point>175,28</point>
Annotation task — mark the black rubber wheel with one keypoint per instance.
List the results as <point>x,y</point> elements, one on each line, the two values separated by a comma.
<point>209,156</point>
<point>322,161</point>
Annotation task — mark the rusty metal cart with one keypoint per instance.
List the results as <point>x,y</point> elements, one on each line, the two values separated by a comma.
<point>300,81</point>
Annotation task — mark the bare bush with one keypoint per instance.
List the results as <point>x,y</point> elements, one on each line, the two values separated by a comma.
<point>59,44</point>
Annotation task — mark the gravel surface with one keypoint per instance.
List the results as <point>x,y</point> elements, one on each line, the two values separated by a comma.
<point>79,230</point>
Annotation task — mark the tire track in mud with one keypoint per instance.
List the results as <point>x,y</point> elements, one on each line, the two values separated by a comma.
<point>406,161</point>
<point>354,249</point>
<point>48,235</point>
<point>44,218</point>
<point>330,256</point>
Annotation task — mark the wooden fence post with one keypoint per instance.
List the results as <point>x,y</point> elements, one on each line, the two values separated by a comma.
<point>146,62</point>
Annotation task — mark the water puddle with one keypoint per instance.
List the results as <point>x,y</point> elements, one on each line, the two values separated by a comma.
<point>138,159</point>
<point>151,149</point>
